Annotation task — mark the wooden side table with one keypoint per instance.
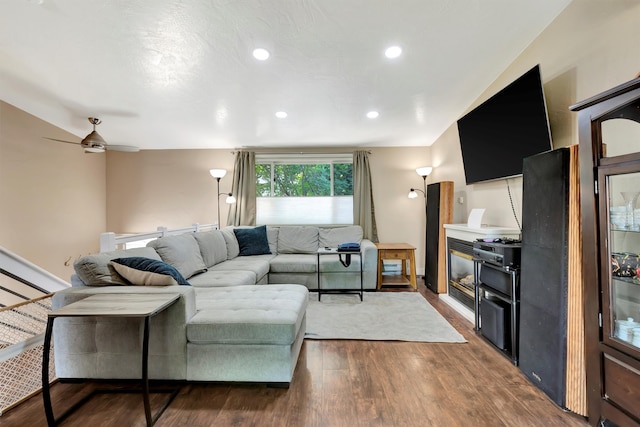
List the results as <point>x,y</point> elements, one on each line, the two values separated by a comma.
<point>403,252</point>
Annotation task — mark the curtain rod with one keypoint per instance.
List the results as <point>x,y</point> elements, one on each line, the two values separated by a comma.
<point>314,153</point>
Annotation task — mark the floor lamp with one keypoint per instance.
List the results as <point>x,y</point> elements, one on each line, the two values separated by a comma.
<point>424,172</point>
<point>217,174</point>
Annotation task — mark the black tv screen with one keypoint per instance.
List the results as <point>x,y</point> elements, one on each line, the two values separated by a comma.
<point>509,126</point>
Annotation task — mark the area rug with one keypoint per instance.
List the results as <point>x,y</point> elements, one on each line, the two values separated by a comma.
<point>387,316</point>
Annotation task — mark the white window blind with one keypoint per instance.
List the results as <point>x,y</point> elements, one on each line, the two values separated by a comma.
<point>304,210</point>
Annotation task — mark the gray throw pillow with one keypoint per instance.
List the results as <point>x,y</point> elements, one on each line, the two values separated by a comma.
<point>332,237</point>
<point>212,247</point>
<point>182,252</point>
<point>297,240</point>
<point>233,250</point>
<point>96,269</point>
<point>272,236</point>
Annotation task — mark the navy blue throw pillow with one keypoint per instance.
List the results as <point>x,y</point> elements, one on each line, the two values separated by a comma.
<point>143,271</point>
<point>252,241</point>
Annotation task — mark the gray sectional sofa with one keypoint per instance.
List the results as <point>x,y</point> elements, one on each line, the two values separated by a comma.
<point>242,318</point>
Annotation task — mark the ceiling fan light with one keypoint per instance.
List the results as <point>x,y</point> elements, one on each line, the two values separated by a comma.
<point>96,149</point>
<point>93,143</point>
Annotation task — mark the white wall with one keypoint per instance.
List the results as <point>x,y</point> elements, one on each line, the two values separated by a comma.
<point>52,195</point>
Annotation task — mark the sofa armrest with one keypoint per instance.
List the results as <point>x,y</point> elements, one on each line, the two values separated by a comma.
<point>370,263</point>
<point>370,254</point>
<point>109,348</point>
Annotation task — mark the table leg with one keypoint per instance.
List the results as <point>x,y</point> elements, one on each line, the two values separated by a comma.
<point>318,270</point>
<point>145,373</point>
<point>412,268</point>
<point>46,392</point>
<point>361,279</point>
<point>380,267</point>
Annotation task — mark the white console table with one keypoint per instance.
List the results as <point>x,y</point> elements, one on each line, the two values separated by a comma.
<point>471,234</point>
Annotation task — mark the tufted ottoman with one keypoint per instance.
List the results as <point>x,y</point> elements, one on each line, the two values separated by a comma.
<point>246,333</point>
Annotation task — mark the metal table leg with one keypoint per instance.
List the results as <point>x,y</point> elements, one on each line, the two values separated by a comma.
<point>46,392</point>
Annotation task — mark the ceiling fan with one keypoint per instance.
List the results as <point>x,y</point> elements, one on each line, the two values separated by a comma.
<point>94,143</point>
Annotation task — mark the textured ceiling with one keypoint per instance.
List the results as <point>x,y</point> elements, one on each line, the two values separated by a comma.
<point>180,74</point>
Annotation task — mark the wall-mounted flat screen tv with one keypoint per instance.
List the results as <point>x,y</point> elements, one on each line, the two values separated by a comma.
<point>509,126</point>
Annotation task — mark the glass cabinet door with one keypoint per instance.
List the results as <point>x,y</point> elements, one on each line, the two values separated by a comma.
<point>621,305</point>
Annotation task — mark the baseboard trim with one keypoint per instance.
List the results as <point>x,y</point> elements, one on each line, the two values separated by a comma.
<point>460,308</point>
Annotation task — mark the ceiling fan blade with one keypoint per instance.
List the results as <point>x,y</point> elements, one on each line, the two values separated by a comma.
<point>127,148</point>
<point>94,143</point>
<point>62,140</point>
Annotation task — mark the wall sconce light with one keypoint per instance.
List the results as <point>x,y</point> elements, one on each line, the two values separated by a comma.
<point>413,193</point>
<point>217,174</point>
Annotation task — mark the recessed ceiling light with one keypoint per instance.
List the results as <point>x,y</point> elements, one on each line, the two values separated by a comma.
<point>261,54</point>
<point>393,52</point>
<point>281,114</point>
<point>373,114</point>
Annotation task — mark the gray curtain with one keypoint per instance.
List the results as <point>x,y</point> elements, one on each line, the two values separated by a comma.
<point>364,213</point>
<point>243,212</point>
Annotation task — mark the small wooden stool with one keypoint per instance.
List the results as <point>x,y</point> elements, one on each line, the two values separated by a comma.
<point>401,251</point>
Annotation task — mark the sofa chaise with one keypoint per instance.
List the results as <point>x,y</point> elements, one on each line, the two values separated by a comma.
<point>242,318</point>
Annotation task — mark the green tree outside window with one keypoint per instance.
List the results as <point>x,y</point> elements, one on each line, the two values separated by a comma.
<point>304,180</point>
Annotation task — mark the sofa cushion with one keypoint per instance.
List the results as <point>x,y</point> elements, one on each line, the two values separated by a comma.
<point>297,240</point>
<point>332,237</point>
<point>252,241</point>
<point>148,272</point>
<point>248,315</point>
<point>294,263</point>
<point>96,269</point>
<point>213,278</point>
<point>332,263</point>
<point>272,237</point>
<point>182,252</point>
<point>213,247</point>
<point>258,265</point>
<point>233,250</point>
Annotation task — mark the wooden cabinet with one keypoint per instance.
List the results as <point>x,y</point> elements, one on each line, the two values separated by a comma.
<point>609,127</point>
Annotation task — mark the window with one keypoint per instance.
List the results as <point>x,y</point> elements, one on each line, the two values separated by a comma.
<point>304,190</point>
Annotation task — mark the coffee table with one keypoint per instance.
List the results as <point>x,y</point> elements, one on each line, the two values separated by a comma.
<point>110,305</point>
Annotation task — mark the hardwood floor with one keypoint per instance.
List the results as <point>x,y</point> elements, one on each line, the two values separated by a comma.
<point>342,383</point>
